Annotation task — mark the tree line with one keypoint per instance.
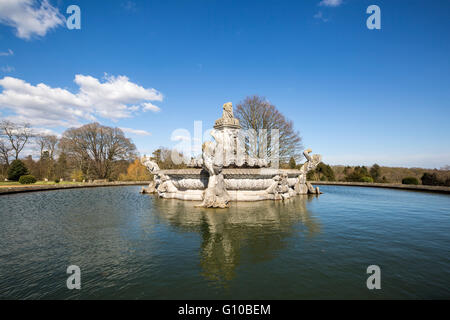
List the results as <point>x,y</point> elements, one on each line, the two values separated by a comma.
<point>379,174</point>
<point>92,151</point>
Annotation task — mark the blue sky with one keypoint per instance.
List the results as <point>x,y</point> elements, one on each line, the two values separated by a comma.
<point>357,96</point>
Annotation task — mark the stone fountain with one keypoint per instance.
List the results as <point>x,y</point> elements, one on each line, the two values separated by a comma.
<point>226,173</point>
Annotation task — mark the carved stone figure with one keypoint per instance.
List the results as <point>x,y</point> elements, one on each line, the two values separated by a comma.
<point>166,185</point>
<point>226,173</point>
<point>227,120</point>
<point>215,195</point>
<point>311,163</point>
<point>151,165</point>
<point>227,111</point>
<point>154,169</point>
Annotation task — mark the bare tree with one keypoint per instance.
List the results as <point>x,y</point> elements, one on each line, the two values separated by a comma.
<point>5,151</point>
<point>257,115</point>
<point>97,147</point>
<point>47,143</point>
<point>164,157</point>
<point>14,137</point>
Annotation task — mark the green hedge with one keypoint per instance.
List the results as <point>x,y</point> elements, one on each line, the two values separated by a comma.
<point>27,179</point>
<point>410,180</point>
<point>366,179</point>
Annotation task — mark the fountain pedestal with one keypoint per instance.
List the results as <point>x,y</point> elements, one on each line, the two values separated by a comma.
<point>225,173</point>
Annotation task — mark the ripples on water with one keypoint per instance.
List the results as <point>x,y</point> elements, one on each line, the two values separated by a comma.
<point>135,246</point>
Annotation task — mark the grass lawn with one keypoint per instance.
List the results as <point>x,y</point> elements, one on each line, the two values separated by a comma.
<point>40,183</point>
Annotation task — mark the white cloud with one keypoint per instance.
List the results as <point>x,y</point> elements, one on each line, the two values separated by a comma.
<point>319,15</point>
<point>28,18</point>
<point>46,132</point>
<point>137,132</point>
<point>7,69</point>
<point>42,105</point>
<point>7,53</point>
<point>149,106</point>
<point>330,3</point>
<point>111,98</point>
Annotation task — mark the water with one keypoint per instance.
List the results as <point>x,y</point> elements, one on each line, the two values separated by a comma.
<point>135,246</point>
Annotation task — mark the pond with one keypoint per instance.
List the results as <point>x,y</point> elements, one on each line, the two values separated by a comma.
<point>134,246</point>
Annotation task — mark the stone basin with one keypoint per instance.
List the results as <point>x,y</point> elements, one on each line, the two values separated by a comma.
<point>243,184</point>
<point>228,172</point>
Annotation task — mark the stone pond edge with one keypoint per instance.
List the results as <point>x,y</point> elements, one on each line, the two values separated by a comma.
<point>20,189</point>
<point>32,188</point>
<point>438,189</point>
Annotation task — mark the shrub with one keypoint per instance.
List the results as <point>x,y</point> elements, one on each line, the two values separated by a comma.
<point>410,180</point>
<point>430,179</point>
<point>16,170</point>
<point>357,175</point>
<point>366,179</point>
<point>77,175</point>
<point>27,179</point>
<point>136,172</point>
<point>56,180</point>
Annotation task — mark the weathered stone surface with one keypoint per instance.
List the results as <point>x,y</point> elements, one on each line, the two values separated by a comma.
<point>311,163</point>
<point>233,172</point>
<point>228,120</point>
<point>225,174</point>
<point>215,196</point>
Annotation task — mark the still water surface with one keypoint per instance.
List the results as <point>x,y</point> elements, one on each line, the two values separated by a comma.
<point>133,246</point>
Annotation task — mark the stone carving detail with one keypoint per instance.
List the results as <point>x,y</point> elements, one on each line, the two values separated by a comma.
<point>227,118</point>
<point>151,165</point>
<point>165,185</point>
<point>303,186</point>
<point>229,149</point>
<point>227,111</point>
<point>280,188</point>
<point>215,195</point>
<point>227,174</point>
<point>154,169</point>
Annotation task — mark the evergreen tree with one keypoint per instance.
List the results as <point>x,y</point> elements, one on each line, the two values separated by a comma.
<point>61,166</point>
<point>16,170</point>
<point>292,163</point>
<point>431,179</point>
<point>375,172</point>
<point>325,172</point>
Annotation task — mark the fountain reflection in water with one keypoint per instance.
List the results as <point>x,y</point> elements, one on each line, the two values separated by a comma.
<point>132,246</point>
<point>258,229</point>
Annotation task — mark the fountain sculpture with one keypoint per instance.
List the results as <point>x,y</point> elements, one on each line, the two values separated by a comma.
<point>226,173</point>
